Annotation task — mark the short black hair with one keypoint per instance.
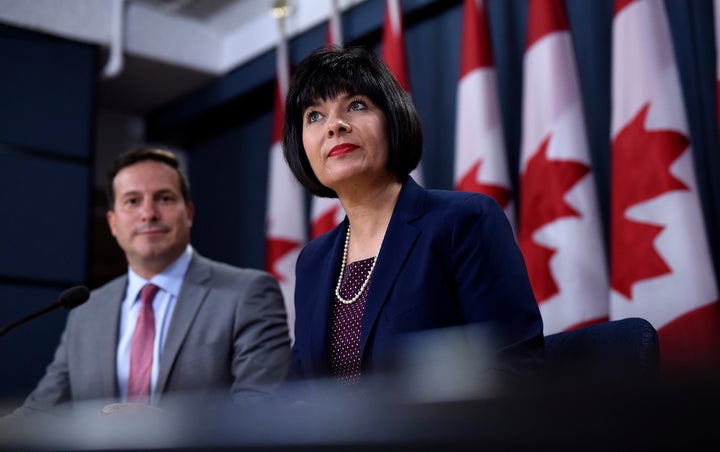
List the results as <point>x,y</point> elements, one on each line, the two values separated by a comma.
<point>142,154</point>
<point>329,71</point>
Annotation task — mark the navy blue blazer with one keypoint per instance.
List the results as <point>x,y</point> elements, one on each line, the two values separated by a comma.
<point>448,258</point>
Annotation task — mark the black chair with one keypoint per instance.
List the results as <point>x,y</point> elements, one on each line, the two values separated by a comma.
<point>618,351</point>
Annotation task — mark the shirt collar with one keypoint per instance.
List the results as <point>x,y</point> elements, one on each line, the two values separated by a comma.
<point>170,279</point>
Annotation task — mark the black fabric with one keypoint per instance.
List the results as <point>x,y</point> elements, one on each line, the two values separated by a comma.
<point>614,351</point>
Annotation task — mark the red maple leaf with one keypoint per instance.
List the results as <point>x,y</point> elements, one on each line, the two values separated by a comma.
<point>324,223</point>
<point>469,182</point>
<point>641,162</point>
<point>544,185</point>
<point>275,249</point>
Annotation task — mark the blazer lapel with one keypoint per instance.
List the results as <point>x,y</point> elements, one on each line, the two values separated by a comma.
<point>192,294</point>
<point>106,336</point>
<point>324,294</point>
<point>397,244</point>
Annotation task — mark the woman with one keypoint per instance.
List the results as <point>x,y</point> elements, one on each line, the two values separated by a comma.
<point>405,259</point>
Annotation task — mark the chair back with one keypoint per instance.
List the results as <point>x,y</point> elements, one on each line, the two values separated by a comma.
<point>616,351</point>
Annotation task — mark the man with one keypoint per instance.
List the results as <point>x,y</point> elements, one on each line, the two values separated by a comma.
<point>208,328</point>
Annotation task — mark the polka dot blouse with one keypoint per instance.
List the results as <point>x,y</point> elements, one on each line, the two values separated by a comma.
<point>345,341</point>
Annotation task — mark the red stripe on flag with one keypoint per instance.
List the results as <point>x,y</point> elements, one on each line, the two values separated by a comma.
<point>393,46</point>
<point>579,325</point>
<point>691,342</point>
<point>278,115</point>
<point>548,16</point>
<point>476,36</point>
<point>620,4</point>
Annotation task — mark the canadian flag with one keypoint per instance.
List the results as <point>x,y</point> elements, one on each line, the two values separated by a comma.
<point>480,159</point>
<point>393,53</point>
<point>285,226</point>
<point>560,231</point>
<point>660,266</point>
<point>326,213</point>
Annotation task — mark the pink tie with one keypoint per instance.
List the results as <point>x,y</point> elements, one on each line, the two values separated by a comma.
<point>141,348</point>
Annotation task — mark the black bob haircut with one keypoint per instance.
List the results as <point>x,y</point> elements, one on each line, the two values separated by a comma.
<point>329,71</point>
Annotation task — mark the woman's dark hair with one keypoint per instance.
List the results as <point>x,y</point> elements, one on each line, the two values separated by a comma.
<point>329,71</point>
<point>140,155</point>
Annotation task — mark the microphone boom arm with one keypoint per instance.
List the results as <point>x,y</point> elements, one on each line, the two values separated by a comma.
<point>69,299</point>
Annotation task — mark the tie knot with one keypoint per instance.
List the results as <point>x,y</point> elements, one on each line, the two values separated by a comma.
<point>147,293</point>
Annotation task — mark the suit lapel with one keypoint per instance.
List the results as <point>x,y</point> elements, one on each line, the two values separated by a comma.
<point>106,336</point>
<point>397,244</point>
<point>192,294</point>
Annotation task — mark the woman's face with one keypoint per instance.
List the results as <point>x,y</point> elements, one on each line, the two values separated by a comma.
<point>345,140</point>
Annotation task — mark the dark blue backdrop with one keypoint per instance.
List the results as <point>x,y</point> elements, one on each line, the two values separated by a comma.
<point>47,89</point>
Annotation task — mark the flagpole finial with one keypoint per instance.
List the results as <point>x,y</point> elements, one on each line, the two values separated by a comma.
<point>281,9</point>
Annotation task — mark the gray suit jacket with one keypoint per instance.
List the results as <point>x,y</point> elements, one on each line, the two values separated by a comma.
<point>228,334</point>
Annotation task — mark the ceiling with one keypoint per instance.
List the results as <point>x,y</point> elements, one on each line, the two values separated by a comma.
<point>146,82</point>
<point>158,50</point>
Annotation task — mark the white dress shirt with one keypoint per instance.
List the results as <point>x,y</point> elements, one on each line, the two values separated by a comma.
<point>170,282</point>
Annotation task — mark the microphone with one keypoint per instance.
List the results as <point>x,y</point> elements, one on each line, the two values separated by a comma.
<point>68,299</point>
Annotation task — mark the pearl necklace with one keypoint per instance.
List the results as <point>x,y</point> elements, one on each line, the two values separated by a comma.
<point>342,270</point>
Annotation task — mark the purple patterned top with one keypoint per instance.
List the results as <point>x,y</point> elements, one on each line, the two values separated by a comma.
<point>346,321</point>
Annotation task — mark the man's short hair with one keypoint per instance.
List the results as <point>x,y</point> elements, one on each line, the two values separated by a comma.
<point>140,155</point>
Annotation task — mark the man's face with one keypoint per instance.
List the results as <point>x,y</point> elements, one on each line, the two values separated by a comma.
<point>150,219</point>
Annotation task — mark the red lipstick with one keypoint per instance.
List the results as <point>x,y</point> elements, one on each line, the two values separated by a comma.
<point>342,149</point>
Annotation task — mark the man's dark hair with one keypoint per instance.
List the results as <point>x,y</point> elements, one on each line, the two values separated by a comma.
<point>140,155</point>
